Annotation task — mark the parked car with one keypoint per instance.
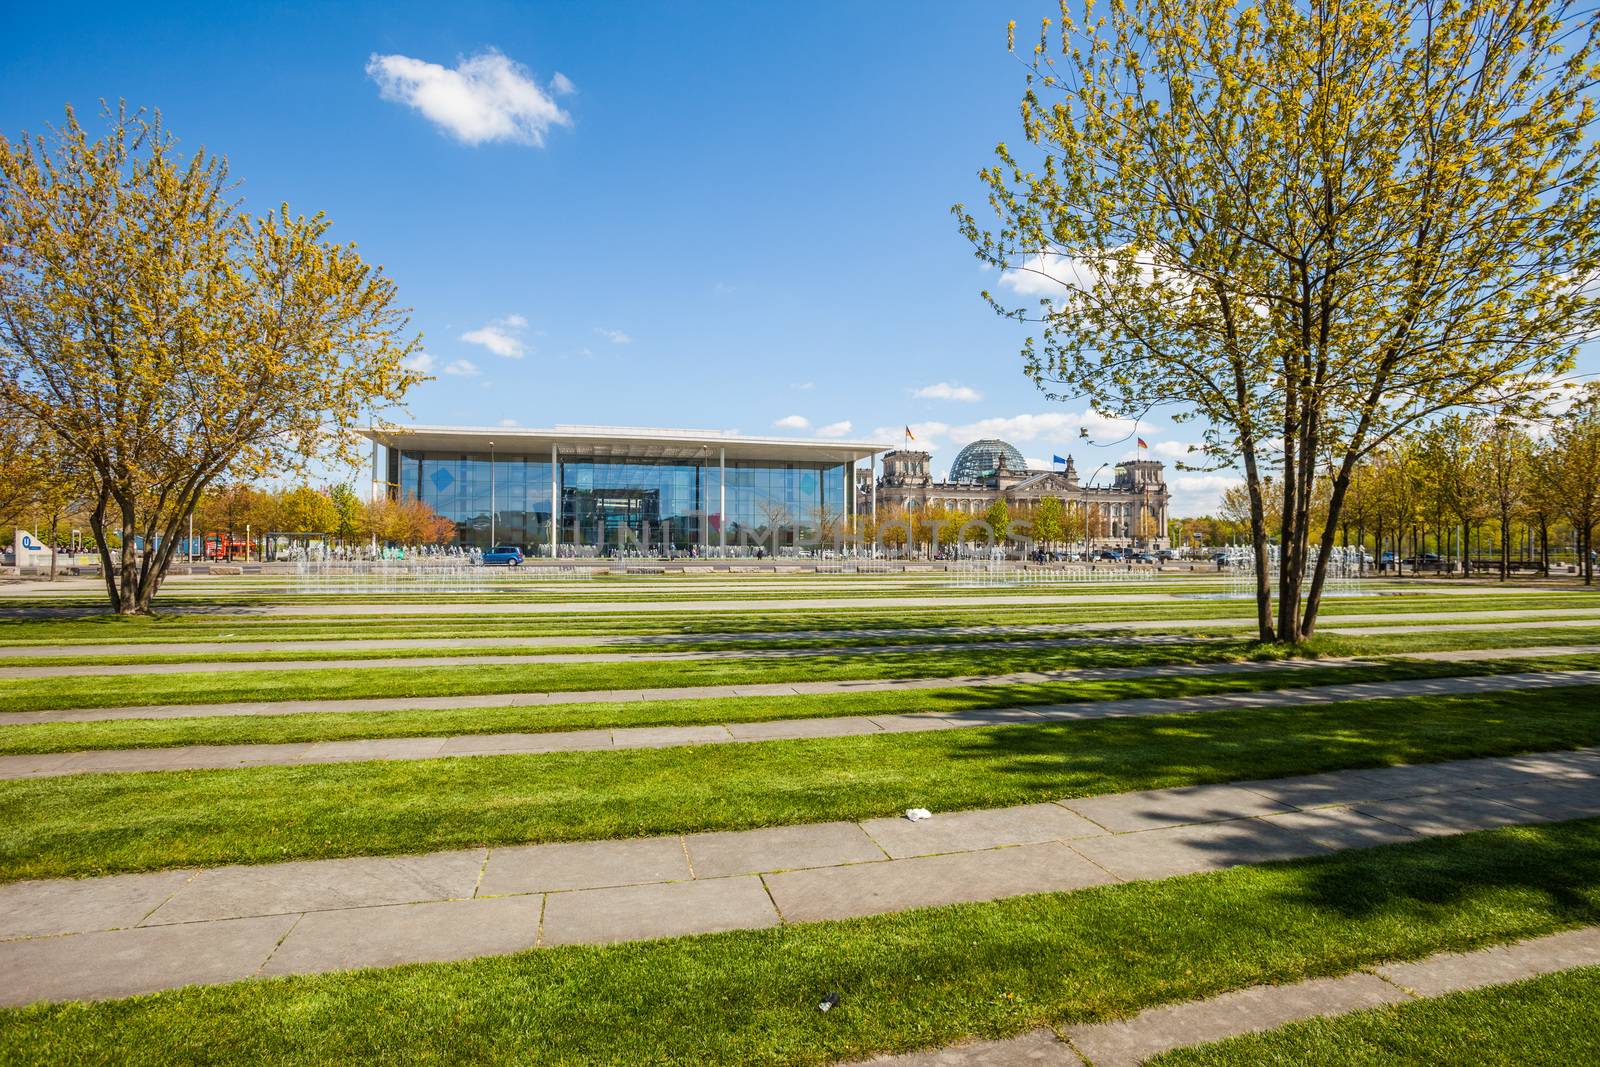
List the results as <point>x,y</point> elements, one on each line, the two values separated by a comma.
<point>503,556</point>
<point>1110,554</point>
<point>1141,557</point>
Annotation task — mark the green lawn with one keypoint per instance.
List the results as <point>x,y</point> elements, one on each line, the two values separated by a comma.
<point>219,687</point>
<point>913,980</point>
<point>39,738</point>
<point>99,824</point>
<point>418,623</point>
<point>1553,1020</point>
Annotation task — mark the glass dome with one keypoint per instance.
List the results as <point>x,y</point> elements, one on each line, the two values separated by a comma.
<point>980,459</point>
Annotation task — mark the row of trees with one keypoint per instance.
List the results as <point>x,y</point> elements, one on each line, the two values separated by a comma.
<point>1482,485</point>
<point>57,504</point>
<point>336,510</point>
<point>1470,486</point>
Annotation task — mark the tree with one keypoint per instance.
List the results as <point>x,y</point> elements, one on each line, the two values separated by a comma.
<point>307,510</point>
<point>998,518</point>
<point>1506,473</point>
<point>168,340</point>
<point>1309,225</point>
<point>1575,472</point>
<point>347,512</point>
<point>1453,466</point>
<point>1049,520</point>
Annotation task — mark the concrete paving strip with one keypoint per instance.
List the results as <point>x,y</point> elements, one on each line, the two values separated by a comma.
<point>173,928</point>
<point>982,601</point>
<point>253,666</point>
<point>204,667</point>
<point>869,685</point>
<point>1408,622</point>
<point>1132,1041</point>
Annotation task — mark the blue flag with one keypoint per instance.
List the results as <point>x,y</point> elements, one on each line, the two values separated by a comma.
<point>1057,459</point>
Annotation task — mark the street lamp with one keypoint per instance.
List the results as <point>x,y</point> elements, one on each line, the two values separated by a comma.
<point>1088,544</point>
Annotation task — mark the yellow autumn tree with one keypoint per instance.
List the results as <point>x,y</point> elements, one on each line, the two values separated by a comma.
<point>166,340</point>
<point>1308,225</point>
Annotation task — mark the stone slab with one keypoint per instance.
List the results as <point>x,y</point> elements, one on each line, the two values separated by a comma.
<point>1128,1042</point>
<point>929,881</point>
<point>583,865</point>
<point>1436,815</point>
<point>631,913</point>
<point>1178,850</point>
<point>780,848</point>
<point>375,749</point>
<point>790,729</point>
<point>120,963</point>
<point>80,905</point>
<point>1333,788</point>
<point>321,885</point>
<point>407,933</point>
<point>667,736</point>
<point>1340,828</point>
<point>1038,1048</point>
<point>1123,812</point>
<point>1449,972</point>
<point>503,744</point>
<point>1561,799</point>
<point>967,831</point>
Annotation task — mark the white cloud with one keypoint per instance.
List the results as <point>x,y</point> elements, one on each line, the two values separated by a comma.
<point>926,435</point>
<point>487,97</point>
<point>499,336</point>
<point>616,337</point>
<point>803,385</point>
<point>422,361</point>
<point>461,368</point>
<point>793,422</point>
<point>508,422</point>
<point>834,429</point>
<point>1036,464</point>
<point>1049,274</point>
<point>1167,450</point>
<point>562,85</point>
<point>1198,494</point>
<point>1056,427</point>
<point>947,391</point>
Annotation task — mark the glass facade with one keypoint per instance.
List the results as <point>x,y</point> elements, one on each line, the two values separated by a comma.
<point>610,502</point>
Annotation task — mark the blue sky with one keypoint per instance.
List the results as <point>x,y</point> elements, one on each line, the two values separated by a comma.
<point>720,216</point>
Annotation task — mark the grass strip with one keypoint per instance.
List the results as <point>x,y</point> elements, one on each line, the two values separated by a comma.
<point>178,627</point>
<point>107,823</point>
<point>43,738</point>
<point>224,687</point>
<point>912,980</point>
<point>1553,1019</point>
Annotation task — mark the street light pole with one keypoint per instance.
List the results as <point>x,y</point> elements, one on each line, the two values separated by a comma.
<point>1088,544</point>
<point>491,496</point>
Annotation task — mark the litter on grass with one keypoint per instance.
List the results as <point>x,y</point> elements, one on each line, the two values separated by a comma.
<point>829,1002</point>
<point>918,814</point>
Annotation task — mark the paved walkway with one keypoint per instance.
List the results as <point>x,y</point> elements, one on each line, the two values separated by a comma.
<point>125,934</point>
<point>860,685</point>
<point>1428,621</point>
<point>1129,1042</point>
<point>222,757</point>
<point>535,659</point>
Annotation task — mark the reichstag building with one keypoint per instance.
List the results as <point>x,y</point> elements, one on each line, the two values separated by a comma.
<point>1131,505</point>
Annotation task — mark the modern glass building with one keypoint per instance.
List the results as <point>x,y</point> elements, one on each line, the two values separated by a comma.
<point>584,489</point>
